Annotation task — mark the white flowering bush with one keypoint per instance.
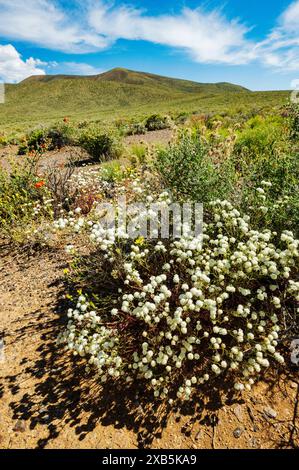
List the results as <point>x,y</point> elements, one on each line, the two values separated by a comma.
<point>177,314</point>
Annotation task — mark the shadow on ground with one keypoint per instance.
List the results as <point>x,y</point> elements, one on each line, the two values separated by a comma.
<point>63,395</point>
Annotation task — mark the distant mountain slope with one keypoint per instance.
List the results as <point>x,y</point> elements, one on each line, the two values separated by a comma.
<point>130,77</point>
<point>116,93</point>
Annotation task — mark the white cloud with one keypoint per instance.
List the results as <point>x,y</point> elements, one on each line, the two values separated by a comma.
<point>280,49</point>
<point>94,25</point>
<point>44,23</point>
<point>290,18</point>
<point>13,68</point>
<point>77,68</point>
<point>208,37</point>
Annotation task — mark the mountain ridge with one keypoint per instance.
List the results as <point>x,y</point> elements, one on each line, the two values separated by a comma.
<point>130,77</point>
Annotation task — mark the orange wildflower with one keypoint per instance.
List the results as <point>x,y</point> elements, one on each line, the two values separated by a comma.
<point>39,184</point>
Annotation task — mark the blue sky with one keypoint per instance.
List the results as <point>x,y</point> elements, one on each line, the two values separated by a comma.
<point>253,43</point>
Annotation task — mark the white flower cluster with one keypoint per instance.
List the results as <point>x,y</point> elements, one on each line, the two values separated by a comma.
<point>70,220</point>
<point>186,313</point>
<point>99,345</point>
<point>89,180</point>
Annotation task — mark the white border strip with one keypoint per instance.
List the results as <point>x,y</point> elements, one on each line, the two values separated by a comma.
<point>2,93</point>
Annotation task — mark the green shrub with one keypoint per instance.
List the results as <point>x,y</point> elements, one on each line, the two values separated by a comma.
<point>293,113</point>
<point>135,128</point>
<point>112,172</point>
<point>100,146</point>
<point>3,140</point>
<point>186,168</point>
<point>59,136</point>
<point>36,139</point>
<point>83,124</point>
<point>181,118</point>
<point>23,149</point>
<point>139,153</point>
<point>260,137</point>
<point>157,122</point>
<point>52,138</point>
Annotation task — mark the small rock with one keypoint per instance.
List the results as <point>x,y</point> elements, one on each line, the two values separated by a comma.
<point>251,415</point>
<point>254,443</point>
<point>270,413</point>
<point>42,410</point>
<point>238,433</point>
<point>20,426</point>
<point>238,412</point>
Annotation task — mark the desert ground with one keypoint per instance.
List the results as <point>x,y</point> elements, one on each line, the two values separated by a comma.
<point>47,403</point>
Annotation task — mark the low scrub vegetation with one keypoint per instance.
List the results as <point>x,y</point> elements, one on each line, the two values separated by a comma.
<point>100,146</point>
<point>100,143</point>
<point>157,122</point>
<point>175,315</point>
<point>52,138</point>
<point>25,201</point>
<point>187,169</point>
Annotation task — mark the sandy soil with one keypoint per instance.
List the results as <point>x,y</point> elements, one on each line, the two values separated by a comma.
<point>46,400</point>
<point>155,137</point>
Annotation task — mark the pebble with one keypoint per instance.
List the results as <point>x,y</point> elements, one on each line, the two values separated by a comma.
<point>270,412</point>
<point>20,426</point>
<point>238,433</point>
<point>45,418</point>
<point>238,412</point>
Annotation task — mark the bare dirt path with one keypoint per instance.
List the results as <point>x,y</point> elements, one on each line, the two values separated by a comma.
<point>47,400</point>
<point>55,158</point>
<point>155,137</point>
